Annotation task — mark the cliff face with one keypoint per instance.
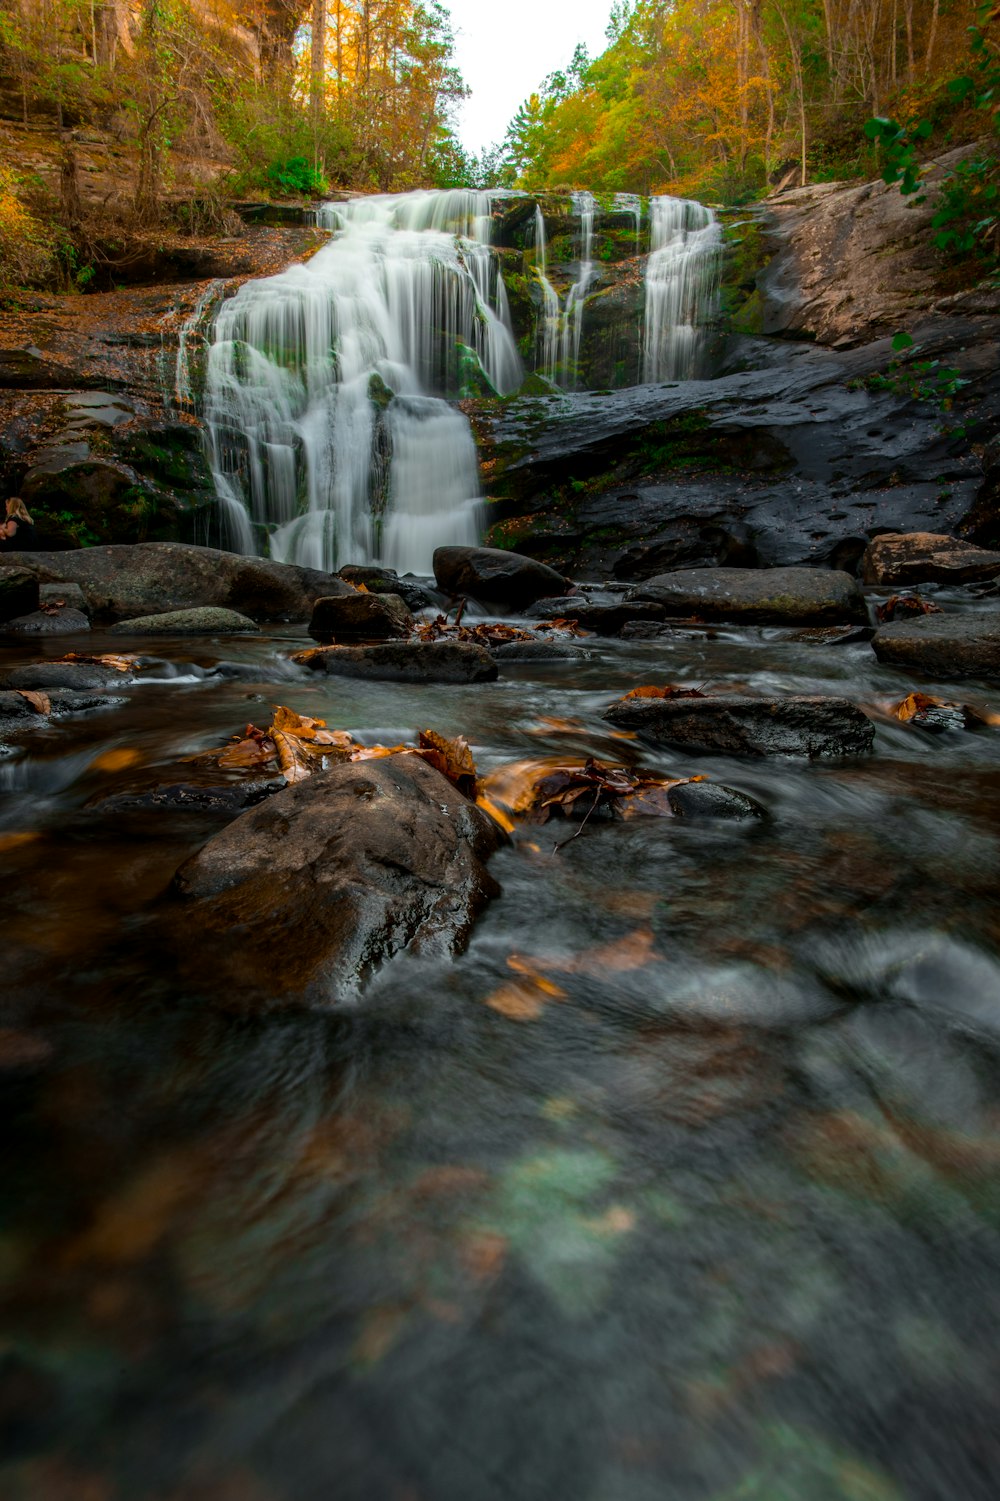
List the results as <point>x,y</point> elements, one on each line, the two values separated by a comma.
<point>262,29</point>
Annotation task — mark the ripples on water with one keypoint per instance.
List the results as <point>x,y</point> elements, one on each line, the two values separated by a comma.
<point>720,1222</point>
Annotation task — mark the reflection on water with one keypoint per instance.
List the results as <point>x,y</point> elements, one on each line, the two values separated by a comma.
<point>717,1216</point>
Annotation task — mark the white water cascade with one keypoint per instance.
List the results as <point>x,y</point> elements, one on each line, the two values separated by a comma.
<point>562,325</point>
<point>329,438</point>
<point>682,282</point>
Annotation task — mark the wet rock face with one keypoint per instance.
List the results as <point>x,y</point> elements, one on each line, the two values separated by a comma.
<point>409,662</point>
<point>713,801</point>
<point>122,583</point>
<point>207,621</point>
<point>385,581</point>
<point>922,557</point>
<point>360,617</point>
<point>766,596</point>
<point>943,646</point>
<point>326,881</point>
<point>496,577</point>
<point>18,591</point>
<point>727,724</point>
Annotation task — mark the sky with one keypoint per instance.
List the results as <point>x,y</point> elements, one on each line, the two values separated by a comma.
<point>504,51</point>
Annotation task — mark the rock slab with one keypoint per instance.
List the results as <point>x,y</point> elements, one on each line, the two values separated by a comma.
<point>731,725</point>
<point>926,557</point>
<point>758,596</point>
<point>408,662</point>
<point>360,617</point>
<point>495,576</point>
<point>209,621</point>
<point>303,898</point>
<point>943,646</point>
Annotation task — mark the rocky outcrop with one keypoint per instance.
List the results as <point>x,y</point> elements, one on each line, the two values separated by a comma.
<point>302,899</point>
<point>406,662</point>
<point>729,724</point>
<point>122,583</point>
<point>207,621</point>
<point>768,596</point>
<point>496,577</point>
<point>926,557</point>
<point>943,646</point>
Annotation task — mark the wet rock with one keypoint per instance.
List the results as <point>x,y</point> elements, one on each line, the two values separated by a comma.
<point>120,583</point>
<point>62,597</point>
<point>555,650</point>
<point>18,591</point>
<point>408,662</point>
<point>46,676</point>
<point>758,596</point>
<point>926,557</point>
<point>185,797</point>
<point>497,577</point>
<point>415,596</point>
<point>833,635</point>
<point>303,898</point>
<point>729,724</point>
<point>47,623</point>
<point>606,618</point>
<point>701,800</point>
<point>18,714</point>
<point>360,617</point>
<point>943,646</point>
<point>207,621</point>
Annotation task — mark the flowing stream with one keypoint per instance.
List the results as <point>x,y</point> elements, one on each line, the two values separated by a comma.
<point>720,1221</point>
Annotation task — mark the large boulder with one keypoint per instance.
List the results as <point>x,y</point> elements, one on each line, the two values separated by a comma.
<point>605,617</point>
<point>757,596</point>
<point>18,590</point>
<point>732,725</point>
<point>415,595</point>
<point>360,617</point>
<point>943,646</point>
<point>406,662</point>
<point>496,577</point>
<point>926,557</point>
<point>304,897</point>
<point>119,583</point>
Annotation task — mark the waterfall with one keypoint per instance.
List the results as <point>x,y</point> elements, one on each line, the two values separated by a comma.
<point>329,435</point>
<point>631,203</point>
<point>682,276</point>
<point>549,355</point>
<point>585,205</point>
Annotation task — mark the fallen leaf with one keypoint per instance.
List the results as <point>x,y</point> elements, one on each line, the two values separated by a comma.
<point>536,789</point>
<point>930,713</point>
<point>634,951</point>
<point>453,759</point>
<point>519,1002</point>
<point>120,662</point>
<point>899,606</point>
<point>669,690</point>
<point>13,841</point>
<point>116,760</point>
<point>40,702</point>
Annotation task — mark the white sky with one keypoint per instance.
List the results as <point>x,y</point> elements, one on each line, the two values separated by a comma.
<point>504,51</point>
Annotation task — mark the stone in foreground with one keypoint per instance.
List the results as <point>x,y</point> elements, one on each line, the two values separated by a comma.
<point>204,622</point>
<point>712,800</point>
<point>728,724</point>
<point>943,646</point>
<point>926,557</point>
<point>18,592</point>
<point>406,662</point>
<point>496,577</point>
<point>360,617</point>
<point>758,596</point>
<point>301,899</point>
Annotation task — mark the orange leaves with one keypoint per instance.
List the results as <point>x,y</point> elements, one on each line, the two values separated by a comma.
<point>116,760</point>
<point>930,713</point>
<point>536,790</point>
<point>453,759</point>
<point>40,702</point>
<point>119,661</point>
<point>524,998</point>
<point>904,606</point>
<point>669,690</point>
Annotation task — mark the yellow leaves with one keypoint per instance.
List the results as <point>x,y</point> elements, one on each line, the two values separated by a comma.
<point>535,790</point>
<point>524,999</point>
<point>118,661</point>
<point>930,713</point>
<point>40,702</point>
<point>116,760</point>
<point>669,690</point>
<point>453,759</point>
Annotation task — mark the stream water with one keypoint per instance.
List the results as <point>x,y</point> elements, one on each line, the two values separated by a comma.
<point>720,1223</point>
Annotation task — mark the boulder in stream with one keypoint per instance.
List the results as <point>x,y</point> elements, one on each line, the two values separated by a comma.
<point>943,646</point>
<point>18,591</point>
<point>47,623</point>
<point>406,662</point>
<point>300,900</point>
<point>730,724</point>
<point>207,621</point>
<point>360,617</point>
<point>496,577</point>
<point>758,596</point>
<point>926,557</point>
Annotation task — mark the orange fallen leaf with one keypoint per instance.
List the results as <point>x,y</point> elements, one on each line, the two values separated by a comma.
<point>669,690</point>
<point>525,967</point>
<point>634,951</point>
<point>519,1002</point>
<point>116,760</point>
<point>40,702</point>
<point>120,662</point>
<point>453,758</point>
<point>14,841</point>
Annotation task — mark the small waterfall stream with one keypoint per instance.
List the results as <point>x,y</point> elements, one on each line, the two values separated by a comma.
<point>329,434</point>
<point>682,278</point>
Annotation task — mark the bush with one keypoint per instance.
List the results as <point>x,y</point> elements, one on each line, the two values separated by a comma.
<point>26,246</point>
<point>297,176</point>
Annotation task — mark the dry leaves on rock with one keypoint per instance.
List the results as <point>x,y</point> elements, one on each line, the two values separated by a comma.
<point>40,702</point>
<point>119,662</point>
<point>534,791</point>
<point>930,713</point>
<point>669,690</point>
<point>902,606</point>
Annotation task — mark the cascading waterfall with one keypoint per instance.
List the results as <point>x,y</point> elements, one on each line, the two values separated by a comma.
<point>631,203</point>
<point>682,282</point>
<point>549,356</point>
<point>585,205</point>
<point>329,436</point>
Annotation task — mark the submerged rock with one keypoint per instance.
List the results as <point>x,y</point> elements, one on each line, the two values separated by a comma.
<point>922,557</point>
<point>360,617</point>
<point>19,714</point>
<point>729,724</point>
<point>45,676</point>
<point>555,650</point>
<point>406,662</point>
<point>303,898</point>
<point>606,618</point>
<point>18,591</point>
<point>758,596</point>
<point>944,646</point>
<point>705,800</point>
<point>208,621</point>
<point>495,576</point>
<point>120,583</point>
